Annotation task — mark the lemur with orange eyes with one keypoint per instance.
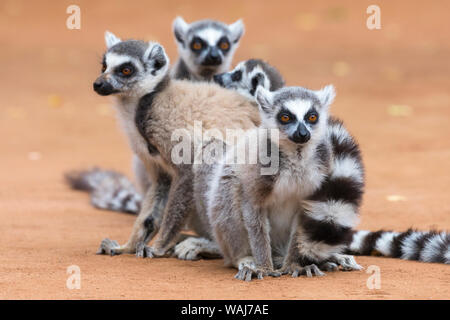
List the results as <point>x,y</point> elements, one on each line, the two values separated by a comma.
<point>206,48</point>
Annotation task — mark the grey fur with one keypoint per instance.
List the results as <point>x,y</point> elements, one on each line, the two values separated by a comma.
<point>192,64</point>
<point>425,246</point>
<point>248,75</point>
<point>109,190</point>
<point>292,93</point>
<point>168,203</point>
<point>131,48</point>
<point>260,219</point>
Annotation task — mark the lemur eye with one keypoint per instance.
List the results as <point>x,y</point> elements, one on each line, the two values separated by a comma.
<point>224,45</point>
<point>197,45</point>
<point>285,118</point>
<point>312,118</point>
<point>104,68</point>
<point>127,71</point>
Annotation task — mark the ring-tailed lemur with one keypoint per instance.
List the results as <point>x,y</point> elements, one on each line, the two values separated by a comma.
<point>423,246</point>
<point>150,107</point>
<point>304,213</point>
<point>407,242</point>
<point>113,191</point>
<point>206,47</point>
<point>249,75</point>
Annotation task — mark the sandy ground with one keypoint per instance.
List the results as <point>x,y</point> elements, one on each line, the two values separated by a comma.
<point>392,92</point>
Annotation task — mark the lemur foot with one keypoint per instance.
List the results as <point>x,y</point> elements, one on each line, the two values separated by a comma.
<point>329,266</point>
<point>347,262</point>
<point>109,247</point>
<point>196,248</point>
<point>295,269</point>
<point>143,251</point>
<point>248,270</point>
<point>140,250</point>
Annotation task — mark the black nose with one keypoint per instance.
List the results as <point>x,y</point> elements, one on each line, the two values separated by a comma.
<point>103,87</point>
<point>98,85</point>
<point>213,58</point>
<point>214,54</point>
<point>301,135</point>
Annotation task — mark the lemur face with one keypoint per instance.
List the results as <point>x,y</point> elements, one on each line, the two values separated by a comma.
<point>248,75</point>
<point>131,67</point>
<point>299,114</point>
<point>207,46</point>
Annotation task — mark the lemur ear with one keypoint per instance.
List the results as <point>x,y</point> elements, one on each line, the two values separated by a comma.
<point>264,99</point>
<point>111,39</point>
<point>326,95</point>
<point>237,30</point>
<point>257,81</point>
<point>180,28</point>
<point>156,56</point>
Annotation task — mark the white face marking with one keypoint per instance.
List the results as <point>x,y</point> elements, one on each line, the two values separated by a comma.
<point>210,35</point>
<point>146,83</point>
<point>298,107</point>
<point>383,244</point>
<point>114,60</point>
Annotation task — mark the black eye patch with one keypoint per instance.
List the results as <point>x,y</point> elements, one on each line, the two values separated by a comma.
<point>281,116</point>
<point>311,116</point>
<point>236,76</point>
<point>224,44</point>
<point>197,44</point>
<point>126,70</point>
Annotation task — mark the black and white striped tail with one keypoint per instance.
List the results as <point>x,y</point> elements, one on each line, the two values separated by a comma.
<point>426,246</point>
<point>109,190</point>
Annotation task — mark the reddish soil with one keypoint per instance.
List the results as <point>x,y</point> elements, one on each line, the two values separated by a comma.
<point>392,93</point>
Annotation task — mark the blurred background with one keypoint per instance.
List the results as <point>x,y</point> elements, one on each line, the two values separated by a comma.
<point>392,92</point>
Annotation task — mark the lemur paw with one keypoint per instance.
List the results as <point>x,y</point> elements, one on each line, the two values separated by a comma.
<point>143,251</point>
<point>248,270</point>
<point>109,247</point>
<point>347,262</point>
<point>329,266</point>
<point>295,269</point>
<point>196,248</point>
<point>188,250</point>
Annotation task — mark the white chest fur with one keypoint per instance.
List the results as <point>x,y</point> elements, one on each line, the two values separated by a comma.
<point>127,113</point>
<point>299,176</point>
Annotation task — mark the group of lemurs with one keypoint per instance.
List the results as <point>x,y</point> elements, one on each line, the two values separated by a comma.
<point>300,219</point>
